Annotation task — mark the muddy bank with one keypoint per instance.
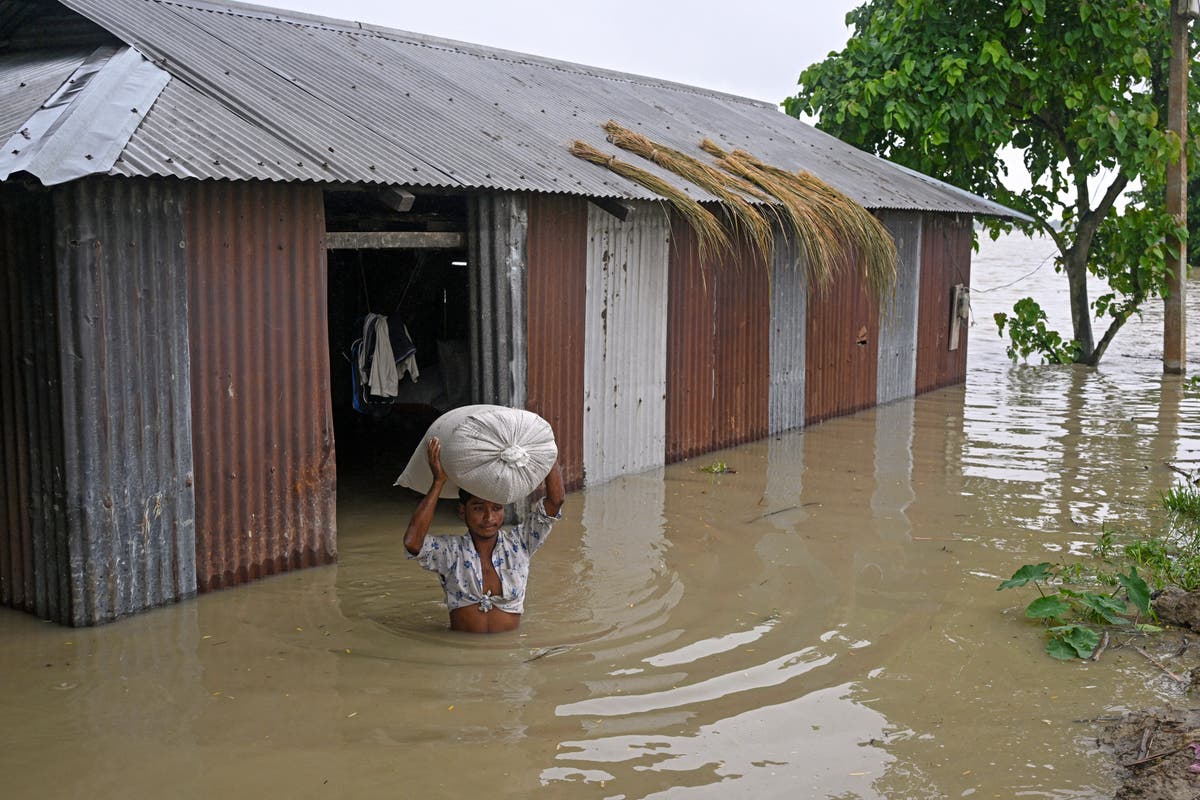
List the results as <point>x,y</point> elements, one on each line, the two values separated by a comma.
<point>1156,751</point>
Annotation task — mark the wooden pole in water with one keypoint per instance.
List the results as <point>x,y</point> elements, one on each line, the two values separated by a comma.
<point>1174,304</point>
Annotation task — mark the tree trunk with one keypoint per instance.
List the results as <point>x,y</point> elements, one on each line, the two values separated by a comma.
<point>1075,264</point>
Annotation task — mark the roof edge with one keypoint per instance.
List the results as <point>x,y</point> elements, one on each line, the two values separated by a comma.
<point>420,39</point>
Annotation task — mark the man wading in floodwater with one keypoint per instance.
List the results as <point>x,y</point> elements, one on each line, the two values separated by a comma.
<point>485,570</point>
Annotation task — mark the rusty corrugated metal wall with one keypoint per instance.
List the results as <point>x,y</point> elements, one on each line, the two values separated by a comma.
<point>496,257</point>
<point>843,334</point>
<point>625,342</point>
<point>691,332</point>
<point>945,261</point>
<point>262,425</point>
<point>897,367</point>
<point>556,281</point>
<point>789,317</point>
<point>741,360</point>
<point>34,574</point>
<point>718,349</point>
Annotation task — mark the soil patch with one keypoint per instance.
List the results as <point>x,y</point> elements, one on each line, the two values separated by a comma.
<point>1157,751</point>
<point>1153,749</point>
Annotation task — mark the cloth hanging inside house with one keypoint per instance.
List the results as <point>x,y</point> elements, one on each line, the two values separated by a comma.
<point>403,349</point>
<point>379,360</point>
<point>380,368</point>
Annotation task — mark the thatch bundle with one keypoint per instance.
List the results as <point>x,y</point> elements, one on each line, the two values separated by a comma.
<point>831,230</point>
<point>710,234</point>
<point>747,219</point>
<point>827,225</point>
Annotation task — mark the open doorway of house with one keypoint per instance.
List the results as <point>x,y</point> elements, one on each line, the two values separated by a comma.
<point>403,257</point>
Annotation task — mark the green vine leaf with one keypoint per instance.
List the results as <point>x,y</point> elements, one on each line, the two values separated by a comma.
<point>1139,592</point>
<point>1027,573</point>
<point>1048,607</point>
<point>1080,639</point>
<point>1104,608</point>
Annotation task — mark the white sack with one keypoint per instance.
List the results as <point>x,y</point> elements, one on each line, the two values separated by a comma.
<point>497,453</point>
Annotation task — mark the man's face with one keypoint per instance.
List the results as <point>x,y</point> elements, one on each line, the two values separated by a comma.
<point>483,517</point>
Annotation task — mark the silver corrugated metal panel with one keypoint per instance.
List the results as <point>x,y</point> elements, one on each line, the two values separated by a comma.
<point>127,440</point>
<point>625,343</point>
<point>789,304</point>
<point>87,121</point>
<point>28,79</point>
<point>496,242</point>
<point>387,106</point>
<point>897,367</point>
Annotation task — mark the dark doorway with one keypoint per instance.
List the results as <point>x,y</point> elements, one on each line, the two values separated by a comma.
<point>423,288</point>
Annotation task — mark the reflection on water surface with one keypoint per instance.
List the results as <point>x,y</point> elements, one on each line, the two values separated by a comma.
<point>821,623</point>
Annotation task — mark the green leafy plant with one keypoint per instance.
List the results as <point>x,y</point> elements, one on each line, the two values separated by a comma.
<point>1071,616</point>
<point>1077,89</point>
<point>717,468</point>
<point>1028,334</point>
<point>1070,603</point>
<point>1184,503</point>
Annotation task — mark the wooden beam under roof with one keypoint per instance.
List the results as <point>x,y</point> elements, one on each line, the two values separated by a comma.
<point>395,240</point>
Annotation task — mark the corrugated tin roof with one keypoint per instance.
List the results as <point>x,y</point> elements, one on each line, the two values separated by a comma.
<point>85,124</point>
<point>27,79</point>
<point>260,93</point>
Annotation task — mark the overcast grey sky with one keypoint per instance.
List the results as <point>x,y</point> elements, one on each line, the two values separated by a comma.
<point>754,48</point>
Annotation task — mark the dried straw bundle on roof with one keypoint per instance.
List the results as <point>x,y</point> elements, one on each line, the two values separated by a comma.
<point>749,220</point>
<point>710,234</point>
<point>829,226</point>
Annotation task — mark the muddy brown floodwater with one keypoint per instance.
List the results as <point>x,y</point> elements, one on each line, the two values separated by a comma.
<point>823,622</point>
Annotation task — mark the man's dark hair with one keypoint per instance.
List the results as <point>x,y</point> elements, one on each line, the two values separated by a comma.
<point>464,496</point>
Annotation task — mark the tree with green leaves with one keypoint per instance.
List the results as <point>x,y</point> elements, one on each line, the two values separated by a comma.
<point>1077,87</point>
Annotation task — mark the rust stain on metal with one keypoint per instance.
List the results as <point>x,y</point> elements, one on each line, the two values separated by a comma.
<point>262,425</point>
<point>691,334</point>
<point>556,294</point>
<point>742,352</point>
<point>718,349</point>
<point>945,261</point>
<point>843,339</point>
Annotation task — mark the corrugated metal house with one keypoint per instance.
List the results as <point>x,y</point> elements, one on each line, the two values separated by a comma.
<point>198,200</point>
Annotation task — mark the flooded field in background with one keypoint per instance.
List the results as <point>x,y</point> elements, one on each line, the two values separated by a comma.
<point>822,622</point>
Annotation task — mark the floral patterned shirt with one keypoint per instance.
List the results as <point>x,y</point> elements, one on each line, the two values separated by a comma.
<point>456,561</point>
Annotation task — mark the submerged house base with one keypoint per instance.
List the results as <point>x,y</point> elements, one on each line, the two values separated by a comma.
<point>176,313</point>
<point>166,378</point>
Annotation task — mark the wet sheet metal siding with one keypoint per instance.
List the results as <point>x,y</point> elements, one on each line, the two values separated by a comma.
<point>126,418</point>
<point>496,255</point>
<point>556,287</point>
<point>719,341</point>
<point>840,366</point>
<point>262,420</point>
<point>788,323</point>
<point>34,560</point>
<point>897,368</point>
<point>741,358</point>
<point>945,262</point>
<point>691,336</point>
<point>625,347</point>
